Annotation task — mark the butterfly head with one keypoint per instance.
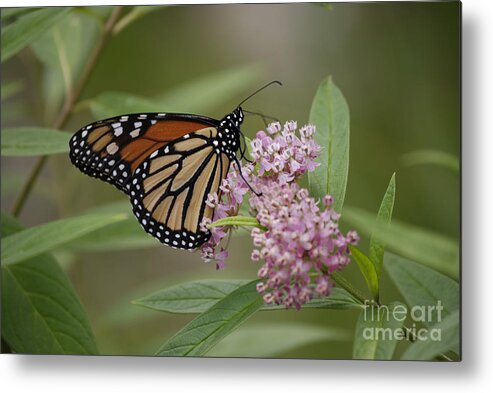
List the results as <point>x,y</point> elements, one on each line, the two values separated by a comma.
<point>229,132</point>
<point>237,117</point>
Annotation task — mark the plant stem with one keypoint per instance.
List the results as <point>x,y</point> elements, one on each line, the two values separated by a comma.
<point>442,356</point>
<point>343,283</point>
<point>68,105</point>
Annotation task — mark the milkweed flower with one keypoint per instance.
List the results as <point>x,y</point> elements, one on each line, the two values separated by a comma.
<point>281,153</point>
<point>301,247</point>
<point>300,244</point>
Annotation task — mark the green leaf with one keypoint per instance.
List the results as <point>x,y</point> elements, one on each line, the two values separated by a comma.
<point>423,288</point>
<point>339,299</point>
<point>41,313</point>
<point>136,13</point>
<point>199,296</point>
<point>32,141</point>
<point>432,157</point>
<point>63,50</point>
<point>419,244</point>
<point>112,103</point>
<point>384,216</point>
<point>210,327</point>
<point>330,114</point>
<point>376,329</point>
<point>248,143</point>
<point>367,269</point>
<point>197,96</point>
<point>263,340</point>
<point>124,311</point>
<point>46,237</point>
<point>240,221</point>
<point>207,93</point>
<point>11,88</point>
<point>119,206</point>
<point>9,225</point>
<point>244,209</point>
<point>28,28</point>
<point>10,13</point>
<point>440,338</point>
<point>190,297</point>
<point>124,235</point>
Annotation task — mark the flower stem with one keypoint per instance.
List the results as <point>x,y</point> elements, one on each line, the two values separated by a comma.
<point>70,100</point>
<point>343,283</point>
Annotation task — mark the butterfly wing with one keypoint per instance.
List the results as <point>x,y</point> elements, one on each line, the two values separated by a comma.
<point>113,149</point>
<point>170,187</point>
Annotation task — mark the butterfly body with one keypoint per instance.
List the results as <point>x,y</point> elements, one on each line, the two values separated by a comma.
<point>166,163</point>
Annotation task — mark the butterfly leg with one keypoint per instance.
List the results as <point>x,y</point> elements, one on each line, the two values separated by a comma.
<point>241,175</point>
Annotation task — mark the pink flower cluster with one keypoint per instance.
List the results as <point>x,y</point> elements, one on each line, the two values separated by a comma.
<point>302,244</point>
<point>282,154</point>
<point>301,248</point>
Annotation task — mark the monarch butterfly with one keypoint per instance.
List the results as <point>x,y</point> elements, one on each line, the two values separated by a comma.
<point>167,163</point>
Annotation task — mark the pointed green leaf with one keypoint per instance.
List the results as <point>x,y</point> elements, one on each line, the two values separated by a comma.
<point>124,310</point>
<point>123,235</point>
<point>440,338</point>
<point>28,28</point>
<point>197,96</point>
<point>207,93</point>
<point>210,327</point>
<point>32,141</point>
<point>190,297</point>
<point>10,13</point>
<point>113,103</point>
<point>418,244</point>
<point>40,310</point>
<point>63,50</point>
<point>248,143</point>
<point>46,237</point>
<point>339,299</point>
<point>423,288</point>
<point>432,157</point>
<point>378,330</point>
<point>384,216</point>
<point>199,296</point>
<point>119,206</point>
<point>330,114</point>
<point>240,221</point>
<point>11,88</point>
<point>41,313</point>
<point>9,225</point>
<point>263,340</point>
<point>367,269</point>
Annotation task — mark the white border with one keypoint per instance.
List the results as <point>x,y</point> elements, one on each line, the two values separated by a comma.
<point>126,374</point>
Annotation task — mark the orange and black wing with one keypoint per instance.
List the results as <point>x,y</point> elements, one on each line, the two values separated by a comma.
<point>169,188</point>
<point>113,149</point>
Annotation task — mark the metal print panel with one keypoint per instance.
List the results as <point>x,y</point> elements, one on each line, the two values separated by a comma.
<point>262,180</point>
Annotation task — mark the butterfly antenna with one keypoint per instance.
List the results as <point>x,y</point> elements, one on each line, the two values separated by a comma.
<point>259,90</point>
<point>264,117</point>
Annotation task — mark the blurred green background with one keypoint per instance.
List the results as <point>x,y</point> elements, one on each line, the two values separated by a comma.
<point>396,63</point>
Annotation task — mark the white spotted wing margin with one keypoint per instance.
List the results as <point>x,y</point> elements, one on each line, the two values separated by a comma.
<point>169,189</point>
<point>96,149</point>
